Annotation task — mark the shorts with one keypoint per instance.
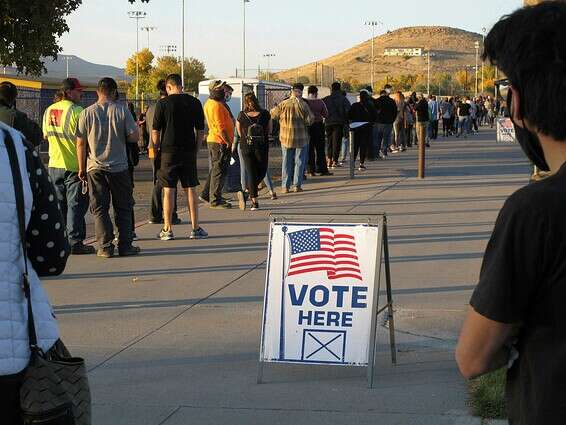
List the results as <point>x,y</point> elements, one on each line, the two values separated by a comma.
<point>178,167</point>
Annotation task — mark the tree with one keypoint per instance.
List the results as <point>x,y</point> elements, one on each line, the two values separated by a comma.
<point>164,66</point>
<point>303,79</point>
<point>194,73</point>
<point>145,59</point>
<point>29,30</point>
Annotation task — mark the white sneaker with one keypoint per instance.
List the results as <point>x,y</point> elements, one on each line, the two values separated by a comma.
<point>166,235</point>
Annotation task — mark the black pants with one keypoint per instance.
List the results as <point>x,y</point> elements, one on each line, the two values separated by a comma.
<point>10,398</point>
<point>255,161</point>
<point>475,124</point>
<point>105,187</point>
<point>409,134</point>
<point>317,155</point>
<point>219,159</point>
<point>434,129</point>
<point>157,194</point>
<point>362,140</point>
<point>334,134</point>
<point>446,126</point>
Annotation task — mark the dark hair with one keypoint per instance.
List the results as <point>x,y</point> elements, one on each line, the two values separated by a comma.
<point>529,46</point>
<point>8,93</point>
<point>251,103</point>
<point>228,87</point>
<point>108,87</point>
<point>364,96</point>
<point>298,86</point>
<point>369,89</point>
<point>383,93</point>
<point>161,88</point>
<point>174,80</point>
<point>336,86</point>
<point>312,90</point>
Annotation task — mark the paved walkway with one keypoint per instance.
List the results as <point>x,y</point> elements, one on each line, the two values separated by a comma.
<point>171,337</point>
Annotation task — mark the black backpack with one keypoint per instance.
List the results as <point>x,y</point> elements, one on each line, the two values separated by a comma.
<point>256,133</point>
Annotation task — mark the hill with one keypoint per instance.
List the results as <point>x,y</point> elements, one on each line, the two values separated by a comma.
<point>451,50</point>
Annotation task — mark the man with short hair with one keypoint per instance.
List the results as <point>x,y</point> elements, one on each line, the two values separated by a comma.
<point>294,116</point>
<point>317,156</point>
<point>434,116</point>
<point>156,214</point>
<point>180,118</point>
<point>219,141</point>
<point>105,128</point>
<point>386,115</point>
<point>338,108</point>
<point>516,317</point>
<point>15,118</point>
<point>423,116</point>
<point>60,122</point>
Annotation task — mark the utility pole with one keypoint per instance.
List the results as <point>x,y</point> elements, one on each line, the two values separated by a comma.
<point>67,58</point>
<point>137,15</point>
<point>484,31</point>
<point>428,73</point>
<point>244,36</point>
<point>183,43</point>
<point>477,46</point>
<point>372,24</point>
<point>148,29</point>
<point>268,56</point>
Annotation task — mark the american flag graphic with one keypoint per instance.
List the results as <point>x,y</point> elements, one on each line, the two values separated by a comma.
<point>322,249</point>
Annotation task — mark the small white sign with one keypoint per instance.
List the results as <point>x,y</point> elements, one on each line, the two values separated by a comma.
<point>319,293</point>
<point>505,130</point>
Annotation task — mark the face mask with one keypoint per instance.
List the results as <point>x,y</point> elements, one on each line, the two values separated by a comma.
<point>228,97</point>
<point>388,91</point>
<point>529,141</point>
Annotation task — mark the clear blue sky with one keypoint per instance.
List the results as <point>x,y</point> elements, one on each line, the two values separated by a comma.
<point>297,31</point>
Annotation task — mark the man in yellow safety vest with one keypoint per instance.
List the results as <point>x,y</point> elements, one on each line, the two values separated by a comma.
<point>60,129</point>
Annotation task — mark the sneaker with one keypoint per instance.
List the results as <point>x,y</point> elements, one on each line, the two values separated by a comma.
<point>337,165</point>
<point>203,199</point>
<point>241,200</point>
<point>105,252</point>
<point>166,235</point>
<point>82,249</point>
<point>273,195</point>
<point>326,173</point>
<point>199,233</point>
<point>255,206</point>
<point>286,190</point>
<point>134,236</point>
<point>222,205</point>
<point>129,251</point>
<point>298,189</point>
<point>155,221</point>
<point>362,167</point>
<point>427,145</point>
<point>311,174</point>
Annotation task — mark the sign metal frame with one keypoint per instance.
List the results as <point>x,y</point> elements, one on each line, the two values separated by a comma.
<point>382,263</point>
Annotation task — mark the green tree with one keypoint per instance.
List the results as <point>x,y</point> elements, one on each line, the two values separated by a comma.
<point>194,73</point>
<point>303,79</point>
<point>145,59</point>
<point>30,29</point>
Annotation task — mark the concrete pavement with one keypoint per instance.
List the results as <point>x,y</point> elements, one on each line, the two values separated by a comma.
<point>172,336</point>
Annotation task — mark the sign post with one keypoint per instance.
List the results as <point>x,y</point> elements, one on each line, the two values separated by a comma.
<point>352,160</point>
<point>323,282</point>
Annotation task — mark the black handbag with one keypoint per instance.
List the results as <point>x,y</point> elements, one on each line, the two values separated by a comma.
<point>55,389</point>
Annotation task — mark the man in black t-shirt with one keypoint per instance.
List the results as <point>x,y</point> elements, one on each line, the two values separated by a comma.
<point>178,130</point>
<point>517,316</point>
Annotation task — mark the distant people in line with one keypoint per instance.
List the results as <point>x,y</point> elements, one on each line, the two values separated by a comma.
<point>294,117</point>
<point>338,108</point>
<point>317,162</point>
<point>399,124</point>
<point>409,122</point>
<point>254,127</point>
<point>434,112</point>
<point>362,116</point>
<point>386,115</point>
<point>15,118</point>
<point>463,109</point>
<point>445,111</point>
<point>177,132</point>
<point>60,122</point>
<point>219,141</point>
<point>104,130</point>
<point>423,117</point>
<point>154,155</point>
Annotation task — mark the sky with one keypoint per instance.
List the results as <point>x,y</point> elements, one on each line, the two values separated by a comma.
<point>296,31</point>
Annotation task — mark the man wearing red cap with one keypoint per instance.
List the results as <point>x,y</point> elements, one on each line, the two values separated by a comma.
<point>60,129</point>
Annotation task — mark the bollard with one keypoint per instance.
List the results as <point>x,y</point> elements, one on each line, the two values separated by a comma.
<point>421,160</point>
<point>351,154</point>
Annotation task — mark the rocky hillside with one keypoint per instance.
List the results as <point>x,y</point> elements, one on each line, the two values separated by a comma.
<point>451,49</point>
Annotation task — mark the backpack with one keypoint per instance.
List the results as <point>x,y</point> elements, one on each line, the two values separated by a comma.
<point>256,133</point>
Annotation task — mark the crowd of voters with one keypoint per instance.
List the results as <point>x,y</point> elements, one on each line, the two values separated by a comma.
<point>93,151</point>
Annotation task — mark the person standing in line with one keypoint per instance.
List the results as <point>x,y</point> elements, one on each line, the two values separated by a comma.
<point>60,122</point>
<point>446,113</point>
<point>399,124</point>
<point>15,118</point>
<point>361,116</point>
<point>434,116</point>
<point>386,114</point>
<point>156,212</point>
<point>409,122</point>
<point>105,128</point>
<point>179,117</point>
<point>254,126</point>
<point>338,108</point>
<point>220,140</point>
<point>294,116</point>
<point>473,119</point>
<point>463,118</point>
<point>317,150</point>
<point>422,112</point>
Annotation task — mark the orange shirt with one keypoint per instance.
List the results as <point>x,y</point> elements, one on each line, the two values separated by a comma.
<point>218,119</point>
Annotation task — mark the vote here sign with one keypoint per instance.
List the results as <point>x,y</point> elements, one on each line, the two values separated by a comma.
<point>319,293</point>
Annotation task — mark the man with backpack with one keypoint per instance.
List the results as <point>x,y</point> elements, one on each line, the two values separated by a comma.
<point>338,108</point>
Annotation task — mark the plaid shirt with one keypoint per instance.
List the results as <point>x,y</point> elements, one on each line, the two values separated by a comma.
<point>294,117</point>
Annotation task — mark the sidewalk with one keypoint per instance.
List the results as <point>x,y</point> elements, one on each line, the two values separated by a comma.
<point>172,336</point>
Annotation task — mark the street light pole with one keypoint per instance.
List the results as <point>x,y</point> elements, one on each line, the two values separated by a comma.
<point>67,58</point>
<point>268,56</point>
<point>244,36</point>
<point>477,45</point>
<point>183,43</point>
<point>484,30</point>
<point>372,24</point>
<point>148,29</point>
<point>137,15</point>
<point>428,72</point>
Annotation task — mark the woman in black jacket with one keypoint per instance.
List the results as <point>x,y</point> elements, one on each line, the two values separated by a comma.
<point>362,115</point>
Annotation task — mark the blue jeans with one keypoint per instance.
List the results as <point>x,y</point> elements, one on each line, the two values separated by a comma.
<point>463,126</point>
<point>382,137</point>
<point>294,162</point>
<point>345,149</point>
<point>267,179</point>
<point>72,202</point>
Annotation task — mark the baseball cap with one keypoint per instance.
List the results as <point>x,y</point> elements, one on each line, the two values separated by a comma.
<point>216,84</point>
<point>71,84</point>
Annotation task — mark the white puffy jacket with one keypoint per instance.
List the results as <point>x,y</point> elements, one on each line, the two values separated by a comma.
<point>14,350</point>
